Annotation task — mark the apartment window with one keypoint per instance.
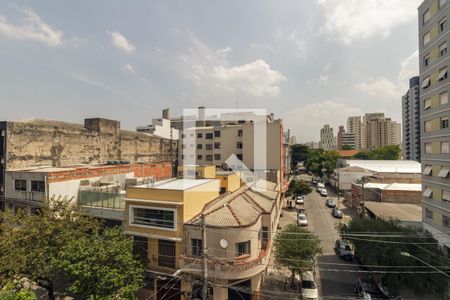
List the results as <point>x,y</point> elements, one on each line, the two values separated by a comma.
<point>196,247</point>
<point>445,221</point>
<point>183,136</point>
<point>428,213</point>
<point>444,122</point>
<point>209,136</point>
<point>426,82</point>
<point>239,156</point>
<point>426,16</point>
<point>427,170</point>
<point>209,146</point>
<point>444,172</point>
<point>428,148</point>
<point>239,132</point>
<point>426,60</point>
<point>442,2</point>
<point>443,98</point>
<point>140,247</point>
<point>166,253</point>
<point>199,156</point>
<point>443,25</point>
<point>217,145</point>
<point>216,156</point>
<point>428,192</point>
<point>426,38</point>
<point>183,146</point>
<point>442,74</point>
<point>243,248</point>
<point>427,126</point>
<point>20,185</point>
<point>427,104</point>
<point>443,49</point>
<point>199,146</point>
<point>199,135</point>
<point>37,186</point>
<point>446,195</point>
<point>153,217</point>
<point>444,147</point>
<point>239,145</point>
<point>217,133</point>
<point>209,157</point>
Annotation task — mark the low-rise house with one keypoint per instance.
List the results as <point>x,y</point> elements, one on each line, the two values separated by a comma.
<point>406,214</point>
<point>410,193</point>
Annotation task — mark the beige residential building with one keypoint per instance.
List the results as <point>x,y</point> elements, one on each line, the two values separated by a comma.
<point>354,126</point>
<point>434,114</point>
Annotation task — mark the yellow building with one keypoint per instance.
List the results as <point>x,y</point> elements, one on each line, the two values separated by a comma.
<point>155,215</point>
<point>197,171</point>
<point>229,181</point>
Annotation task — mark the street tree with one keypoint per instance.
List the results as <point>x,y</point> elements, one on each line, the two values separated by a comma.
<point>391,152</point>
<point>385,248</point>
<point>295,248</point>
<point>298,188</point>
<point>299,154</point>
<point>12,291</point>
<point>102,266</point>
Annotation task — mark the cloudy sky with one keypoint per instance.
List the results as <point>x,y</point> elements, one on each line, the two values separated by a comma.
<point>310,62</point>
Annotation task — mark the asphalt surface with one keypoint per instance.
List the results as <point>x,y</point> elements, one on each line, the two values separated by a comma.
<point>334,279</point>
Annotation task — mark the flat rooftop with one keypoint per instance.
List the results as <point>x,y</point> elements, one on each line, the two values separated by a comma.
<point>386,166</point>
<point>180,184</point>
<point>400,211</point>
<point>415,187</point>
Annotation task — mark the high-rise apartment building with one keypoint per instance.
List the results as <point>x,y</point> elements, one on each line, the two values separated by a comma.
<point>396,133</point>
<point>379,131</point>
<point>434,114</point>
<point>354,126</point>
<point>348,141</point>
<point>340,133</point>
<point>411,120</point>
<point>327,139</point>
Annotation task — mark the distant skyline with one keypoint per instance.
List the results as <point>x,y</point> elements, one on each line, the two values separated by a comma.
<point>310,62</point>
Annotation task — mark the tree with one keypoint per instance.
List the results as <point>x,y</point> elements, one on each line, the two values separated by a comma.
<point>347,147</point>
<point>13,292</point>
<point>295,247</point>
<point>319,159</point>
<point>102,266</point>
<point>384,250</point>
<point>298,188</point>
<point>299,153</point>
<point>391,152</point>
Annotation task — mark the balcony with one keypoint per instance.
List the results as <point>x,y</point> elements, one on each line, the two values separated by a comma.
<point>102,204</point>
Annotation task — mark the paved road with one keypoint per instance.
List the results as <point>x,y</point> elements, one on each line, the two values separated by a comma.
<point>332,284</point>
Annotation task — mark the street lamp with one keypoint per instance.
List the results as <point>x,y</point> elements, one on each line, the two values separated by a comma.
<point>407,254</point>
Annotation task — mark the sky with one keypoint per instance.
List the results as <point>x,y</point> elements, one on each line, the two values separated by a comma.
<point>311,62</point>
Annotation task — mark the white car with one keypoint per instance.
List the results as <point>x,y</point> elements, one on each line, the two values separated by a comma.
<point>323,193</point>
<point>309,287</point>
<point>302,220</point>
<point>299,200</point>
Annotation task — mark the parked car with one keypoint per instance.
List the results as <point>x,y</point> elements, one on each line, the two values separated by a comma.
<point>302,220</point>
<point>299,200</point>
<point>331,203</point>
<point>343,249</point>
<point>302,210</point>
<point>337,213</point>
<point>323,193</point>
<point>308,286</point>
<point>368,289</point>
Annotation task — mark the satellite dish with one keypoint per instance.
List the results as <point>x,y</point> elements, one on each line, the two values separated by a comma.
<point>223,243</point>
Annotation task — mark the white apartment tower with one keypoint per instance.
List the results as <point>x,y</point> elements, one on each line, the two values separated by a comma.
<point>327,139</point>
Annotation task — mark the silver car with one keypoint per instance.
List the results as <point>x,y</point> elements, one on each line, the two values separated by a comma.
<point>302,220</point>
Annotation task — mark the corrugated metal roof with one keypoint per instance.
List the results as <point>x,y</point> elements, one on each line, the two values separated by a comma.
<point>400,211</point>
<point>388,166</point>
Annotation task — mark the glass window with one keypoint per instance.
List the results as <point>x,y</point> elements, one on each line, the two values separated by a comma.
<point>428,148</point>
<point>183,136</point>
<point>209,157</point>
<point>153,217</point>
<point>166,253</point>
<point>443,49</point>
<point>442,73</point>
<point>240,132</point>
<point>426,60</point>
<point>37,186</point>
<point>209,146</point>
<point>427,126</point>
<point>199,156</point>
<point>243,248</point>
<point>446,195</point>
<point>443,98</point>
<point>239,145</point>
<point>196,247</point>
<point>428,213</point>
<point>199,135</point>
<point>20,185</point>
<point>209,136</point>
<point>216,145</point>
<point>443,25</point>
<point>444,122</point>
<point>426,38</point>
<point>239,156</point>
<point>427,170</point>
<point>444,147</point>
<point>427,104</point>
<point>216,156</point>
<point>199,146</point>
<point>217,133</point>
<point>426,82</point>
<point>426,16</point>
<point>445,221</point>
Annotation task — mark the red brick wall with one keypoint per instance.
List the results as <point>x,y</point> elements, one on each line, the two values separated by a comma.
<point>159,170</point>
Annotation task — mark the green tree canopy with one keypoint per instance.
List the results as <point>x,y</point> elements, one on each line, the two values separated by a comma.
<point>299,153</point>
<point>384,248</point>
<point>102,266</point>
<point>391,152</point>
<point>319,159</point>
<point>298,188</point>
<point>12,292</point>
<point>295,247</point>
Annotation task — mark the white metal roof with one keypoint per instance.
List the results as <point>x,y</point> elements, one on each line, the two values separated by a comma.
<point>387,166</point>
<point>394,186</point>
<point>177,184</point>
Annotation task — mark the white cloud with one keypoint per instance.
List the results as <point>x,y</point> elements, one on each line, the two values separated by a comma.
<point>121,42</point>
<point>307,120</point>
<point>212,72</point>
<point>128,68</point>
<point>261,46</point>
<point>358,19</point>
<point>33,29</point>
<point>324,78</point>
<point>386,89</point>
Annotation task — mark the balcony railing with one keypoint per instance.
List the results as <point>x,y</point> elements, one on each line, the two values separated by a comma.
<point>100,199</point>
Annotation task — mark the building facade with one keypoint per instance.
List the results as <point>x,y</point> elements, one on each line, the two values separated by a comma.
<point>411,120</point>
<point>354,126</point>
<point>340,133</point>
<point>434,113</point>
<point>348,140</point>
<point>327,138</point>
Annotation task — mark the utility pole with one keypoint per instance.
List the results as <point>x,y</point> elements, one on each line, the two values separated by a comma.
<point>363,198</point>
<point>204,260</point>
